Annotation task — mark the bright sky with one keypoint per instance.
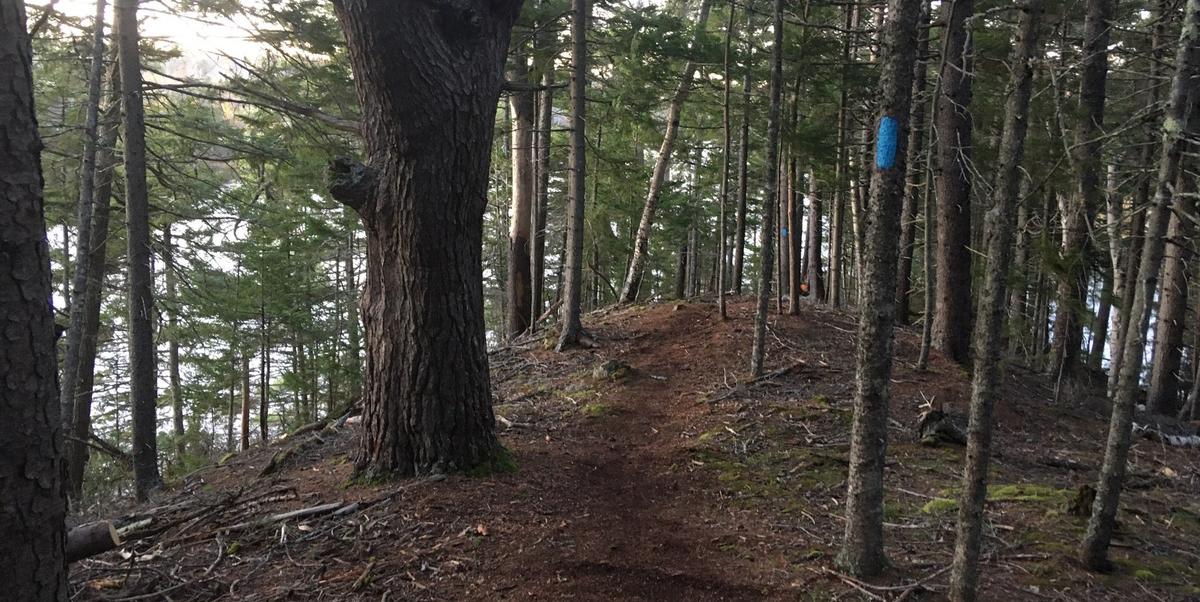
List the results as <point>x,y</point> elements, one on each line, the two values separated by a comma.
<point>196,38</point>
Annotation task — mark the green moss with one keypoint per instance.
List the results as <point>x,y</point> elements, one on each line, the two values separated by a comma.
<point>1143,575</point>
<point>596,409</point>
<point>1019,492</point>
<point>501,462</point>
<point>227,457</point>
<point>939,505</point>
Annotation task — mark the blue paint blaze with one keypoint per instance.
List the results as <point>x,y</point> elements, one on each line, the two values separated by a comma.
<point>885,143</point>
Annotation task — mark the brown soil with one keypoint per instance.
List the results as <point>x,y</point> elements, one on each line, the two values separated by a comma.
<point>636,487</point>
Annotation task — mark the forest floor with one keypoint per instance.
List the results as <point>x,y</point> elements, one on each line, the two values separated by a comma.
<point>669,480</point>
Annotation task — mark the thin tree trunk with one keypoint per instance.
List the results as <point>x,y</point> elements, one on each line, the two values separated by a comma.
<point>33,504</point>
<point>173,342</point>
<point>245,372</point>
<point>951,330</point>
<point>989,329</point>
<point>862,550</point>
<point>1080,208</point>
<point>520,299</point>
<point>662,164</point>
<point>77,453</point>
<point>912,189</point>
<point>739,235</point>
<point>1093,551</point>
<point>572,327</point>
<point>793,238</point>
<point>1160,43</point>
<point>758,351</point>
<point>542,197</point>
<point>83,241</point>
<point>143,385</point>
<point>816,279</point>
<point>726,148</point>
<point>1163,393</point>
<point>841,180</point>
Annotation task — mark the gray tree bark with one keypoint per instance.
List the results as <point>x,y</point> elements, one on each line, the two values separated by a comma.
<point>571,323</point>
<point>862,549</point>
<point>758,351</point>
<point>143,385</point>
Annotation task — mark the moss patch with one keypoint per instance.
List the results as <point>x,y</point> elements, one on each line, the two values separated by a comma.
<point>1019,492</point>
<point>596,409</point>
<point>501,462</point>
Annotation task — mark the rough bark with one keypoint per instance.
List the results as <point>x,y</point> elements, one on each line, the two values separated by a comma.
<point>143,385</point>
<point>662,164</point>
<point>33,503</point>
<point>427,123</point>
<point>862,549</point>
<point>520,300</point>
<point>1093,551</point>
<point>758,351</point>
<point>989,329</point>
<point>912,189</point>
<point>951,321</point>
<point>571,332</point>
<point>1080,208</point>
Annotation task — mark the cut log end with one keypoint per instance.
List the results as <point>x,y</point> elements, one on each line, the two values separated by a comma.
<point>91,539</point>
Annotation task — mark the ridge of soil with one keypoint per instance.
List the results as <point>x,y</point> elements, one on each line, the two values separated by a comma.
<point>669,480</point>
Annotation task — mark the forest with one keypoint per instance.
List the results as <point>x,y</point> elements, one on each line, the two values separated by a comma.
<point>599,300</point>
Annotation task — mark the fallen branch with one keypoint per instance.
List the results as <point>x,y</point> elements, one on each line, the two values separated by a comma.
<point>285,516</point>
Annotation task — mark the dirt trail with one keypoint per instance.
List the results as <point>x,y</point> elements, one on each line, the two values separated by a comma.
<point>644,526</point>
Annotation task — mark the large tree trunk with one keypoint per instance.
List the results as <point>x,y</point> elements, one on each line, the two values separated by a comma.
<point>143,385</point>
<point>662,164</point>
<point>520,299</point>
<point>758,351</point>
<point>1093,551</point>
<point>951,321</point>
<point>427,122</point>
<point>912,189</point>
<point>862,549</point>
<point>1080,208</point>
<point>33,503</point>
<point>83,241</point>
<point>989,330</point>
<point>739,233</point>
<point>571,332</point>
